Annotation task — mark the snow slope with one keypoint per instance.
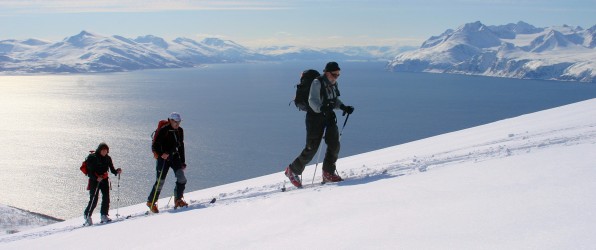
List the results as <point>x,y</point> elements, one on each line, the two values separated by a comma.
<point>13,220</point>
<point>521,183</point>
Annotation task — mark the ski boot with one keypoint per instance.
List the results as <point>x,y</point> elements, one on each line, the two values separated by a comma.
<point>105,218</point>
<point>152,207</point>
<point>294,178</point>
<point>88,221</point>
<point>180,203</point>
<point>331,177</point>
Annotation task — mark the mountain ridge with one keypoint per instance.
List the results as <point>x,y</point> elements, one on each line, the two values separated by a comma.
<point>88,52</point>
<point>514,50</point>
<point>517,50</point>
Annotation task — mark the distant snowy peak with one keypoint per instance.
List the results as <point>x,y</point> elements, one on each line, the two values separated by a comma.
<point>477,35</point>
<point>8,46</point>
<point>549,41</point>
<point>83,39</point>
<point>517,50</point>
<point>210,50</point>
<point>225,44</point>
<point>481,35</point>
<point>186,41</point>
<point>525,28</point>
<point>590,37</point>
<point>509,31</point>
<point>149,39</point>
<point>227,48</point>
<point>34,42</point>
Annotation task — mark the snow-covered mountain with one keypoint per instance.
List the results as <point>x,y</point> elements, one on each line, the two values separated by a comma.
<point>14,220</point>
<point>84,52</point>
<point>88,52</point>
<point>520,183</point>
<point>514,50</point>
<point>384,53</point>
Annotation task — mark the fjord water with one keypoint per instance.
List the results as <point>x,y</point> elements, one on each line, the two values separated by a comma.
<point>236,118</point>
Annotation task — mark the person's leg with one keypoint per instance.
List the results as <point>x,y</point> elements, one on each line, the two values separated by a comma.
<point>333,147</point>
<point>93,193</point>
<point>161,168</point>
<point>104,187</point>
<point>314,134</point>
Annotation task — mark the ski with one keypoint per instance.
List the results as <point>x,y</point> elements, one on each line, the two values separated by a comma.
<point>306,186</point>
<point>100,223</point>
<point>147,213</point>
<point>330,182</point>
<point>213,200</point>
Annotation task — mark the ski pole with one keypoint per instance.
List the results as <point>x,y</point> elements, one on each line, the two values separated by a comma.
<point>96,193</point>
<point>318,157</point>
<point>168,205</point>
<point>344,126</point>
<point>157,184</point>
<point>118,199</point>
<point>341,132</point>
<point>316,165</point>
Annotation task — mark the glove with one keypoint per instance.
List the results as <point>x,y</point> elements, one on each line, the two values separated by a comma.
<point>116,171</point>
<point>165,156</point>
<point>346,109</point>
<point>102,177</point>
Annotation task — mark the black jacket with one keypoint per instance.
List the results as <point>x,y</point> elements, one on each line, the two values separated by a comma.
<point>98,165</point>
<point>170,141</point>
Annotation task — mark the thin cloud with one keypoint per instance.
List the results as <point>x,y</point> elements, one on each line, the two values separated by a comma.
<point>329,41</point>
<point>73,6</point>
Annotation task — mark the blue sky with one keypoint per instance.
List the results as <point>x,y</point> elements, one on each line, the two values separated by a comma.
<point>253,23</point>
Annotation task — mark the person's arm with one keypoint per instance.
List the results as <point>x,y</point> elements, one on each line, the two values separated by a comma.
<point>314,97</point>
<point>181,147</point>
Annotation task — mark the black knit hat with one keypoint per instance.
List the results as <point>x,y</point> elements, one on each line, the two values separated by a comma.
<point>331,66</point>
<point>102,146</point>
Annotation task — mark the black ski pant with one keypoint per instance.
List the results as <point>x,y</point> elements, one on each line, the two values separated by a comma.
<point>162,166</point>
<point>317,126</point>
<point>95,188</point>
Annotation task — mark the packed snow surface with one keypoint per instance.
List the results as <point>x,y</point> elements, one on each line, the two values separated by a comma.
<point>521,183</point>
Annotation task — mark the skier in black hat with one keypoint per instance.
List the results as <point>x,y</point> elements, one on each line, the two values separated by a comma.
<point>321,121</point>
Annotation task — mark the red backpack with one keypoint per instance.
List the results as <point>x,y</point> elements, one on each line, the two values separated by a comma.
<point>160,124</point>
<point>83,167</point>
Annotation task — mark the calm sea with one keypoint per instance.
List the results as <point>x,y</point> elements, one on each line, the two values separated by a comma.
<point>237,121</point>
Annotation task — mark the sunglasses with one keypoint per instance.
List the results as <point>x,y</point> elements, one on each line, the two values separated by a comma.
<point>335,75</point>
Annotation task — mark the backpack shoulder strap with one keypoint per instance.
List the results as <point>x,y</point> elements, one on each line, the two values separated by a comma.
<point>322,92</point>
<point>335,88</point>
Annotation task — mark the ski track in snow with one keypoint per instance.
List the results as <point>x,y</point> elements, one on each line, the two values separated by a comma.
<point>193,204</point>
<point>512,144</point>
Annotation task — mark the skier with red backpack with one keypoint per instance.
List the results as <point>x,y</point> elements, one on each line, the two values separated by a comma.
<point>320,98</point>
<point>168,149</point>
<point>97,165</point>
